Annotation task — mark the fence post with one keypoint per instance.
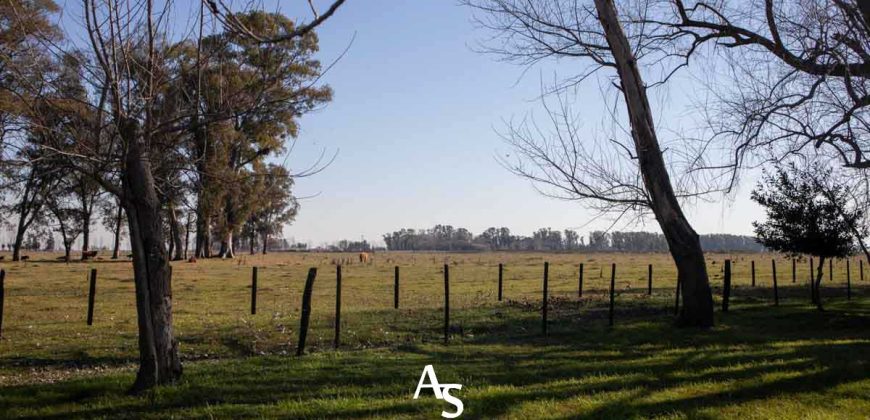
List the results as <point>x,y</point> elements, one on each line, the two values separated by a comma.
<point>831,270</point>
<point>612,286</point>
<point>546,300</point>
<point>254,290</point>
<point>500,276</point>
<point>775,285</point>
<point>91,293</point>
<point>396,288</point>
<point>861,263</point>
<point>2,297</point>
<point>580,283</point>
<point>726,287</point>
<point>649,281</point>
<point>446,303</point>
<point>793,271</point>
<point>848,281</point>
<point>306,310</point>
<point>753,273</point>
<point>336,339</point>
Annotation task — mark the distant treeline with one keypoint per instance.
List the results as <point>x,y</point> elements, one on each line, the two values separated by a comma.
<point>449,238</point>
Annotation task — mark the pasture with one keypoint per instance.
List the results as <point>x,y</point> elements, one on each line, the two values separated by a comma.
<point>760,360</point>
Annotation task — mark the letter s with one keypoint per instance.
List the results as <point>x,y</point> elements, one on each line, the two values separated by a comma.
<point>456,402</point>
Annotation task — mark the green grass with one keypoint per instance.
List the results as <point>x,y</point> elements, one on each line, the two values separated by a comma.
<point>759,361</point>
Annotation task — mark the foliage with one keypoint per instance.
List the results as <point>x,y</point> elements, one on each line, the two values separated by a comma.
<point>805,215</point>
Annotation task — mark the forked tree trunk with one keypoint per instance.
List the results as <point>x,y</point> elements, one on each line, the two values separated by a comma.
<point>683,241</point>
<point>175,230</point>
<point>159,362</point>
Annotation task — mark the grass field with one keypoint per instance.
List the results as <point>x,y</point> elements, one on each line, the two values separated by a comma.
<point>759,361</point>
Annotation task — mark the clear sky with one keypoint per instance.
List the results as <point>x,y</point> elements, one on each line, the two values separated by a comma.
<point>414,124</point>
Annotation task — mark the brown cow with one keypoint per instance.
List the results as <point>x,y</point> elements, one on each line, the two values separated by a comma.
<point>89,254</point>
<point>365,257</point>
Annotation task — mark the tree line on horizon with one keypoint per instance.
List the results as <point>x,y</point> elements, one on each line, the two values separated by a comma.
<point>449,238</point>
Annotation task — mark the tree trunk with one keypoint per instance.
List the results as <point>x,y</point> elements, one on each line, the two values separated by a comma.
<point>187,235</point>
<point>175,230</point>
<point>265,242</point>
<point>815,287</point>
<point>116,247</point>
<point>227,246</point>
<point>19,239</point>
<point>683,241</point>
<point>203,234</point>
<point>159,362</point>
<point>86,233</point>
<point>251,242</point>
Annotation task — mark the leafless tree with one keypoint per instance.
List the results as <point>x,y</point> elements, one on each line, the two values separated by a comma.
<point>591,33</point>
<point>795,74</point>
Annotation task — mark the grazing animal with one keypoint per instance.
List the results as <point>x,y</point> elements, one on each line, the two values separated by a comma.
<point>25,257</point>
<point>365,257</point>
<point>191,260</point>
<point>89,254</point>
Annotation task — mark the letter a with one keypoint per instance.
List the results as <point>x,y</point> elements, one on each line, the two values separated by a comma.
<point>433,382</point>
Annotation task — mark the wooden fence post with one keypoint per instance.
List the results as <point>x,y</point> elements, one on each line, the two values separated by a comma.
<point>446,303</point>
<point>775,285</point>
<point>337,339</point>
<point>500,276</point>
<point>726,287</point>
<point>580,282</point>
<point>848,281</point>
<point>546,300</point>
<point>793,271</point>
<point>649,281</point>
<point>612,286</point>
<point>2,298</point>
<point>91,293</point>
<point>306,311</point>
<point>753,273</point>
<point>831,270</point>
<point>396,288</point>
<point>254,290</point>
<point>861,263</point>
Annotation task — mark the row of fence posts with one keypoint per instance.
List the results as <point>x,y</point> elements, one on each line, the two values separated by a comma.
<point>312,274</point>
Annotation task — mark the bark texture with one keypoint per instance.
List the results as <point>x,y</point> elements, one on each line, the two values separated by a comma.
<point>683,241</point>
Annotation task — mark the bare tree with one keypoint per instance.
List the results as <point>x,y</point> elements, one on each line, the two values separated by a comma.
<point>529,32</point>
<point>795,77</point>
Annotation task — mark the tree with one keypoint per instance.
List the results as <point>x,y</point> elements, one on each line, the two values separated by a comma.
<point>534,31</point>
<point>804,217</point>
<point>277,205</point>
<point>68,218</point>
<point>797,75</point>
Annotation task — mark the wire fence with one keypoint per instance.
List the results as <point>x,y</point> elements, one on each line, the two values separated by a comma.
<point>397,299</point>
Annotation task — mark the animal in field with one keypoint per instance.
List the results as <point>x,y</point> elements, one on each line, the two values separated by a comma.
<point>191,260</point>
<point>2,257</point>
<point>89,254</point>
<point>365,257</point>
<point>25,257</point>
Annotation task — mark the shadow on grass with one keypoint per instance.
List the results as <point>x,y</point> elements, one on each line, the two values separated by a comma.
<point>640,367</point>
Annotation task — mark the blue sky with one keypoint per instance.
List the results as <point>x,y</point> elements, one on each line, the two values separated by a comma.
<point>414,124</point>
<point>414,121</point>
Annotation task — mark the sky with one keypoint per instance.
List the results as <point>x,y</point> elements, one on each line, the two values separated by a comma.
<point>414,130</point>
<point>415,122</point>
